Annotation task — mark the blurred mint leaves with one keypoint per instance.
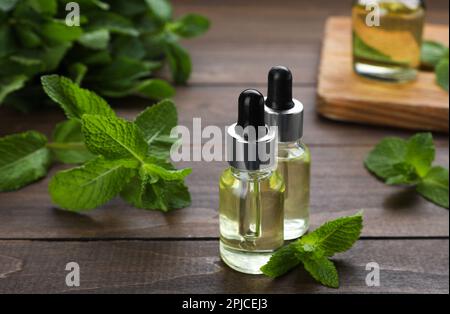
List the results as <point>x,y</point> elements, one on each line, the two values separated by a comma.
<point>435,57</point>
<point>117,157</point>
<point>117,51</point>
<point>410,162</point>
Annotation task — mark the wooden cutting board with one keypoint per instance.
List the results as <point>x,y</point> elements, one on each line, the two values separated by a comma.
<point>343,95</point>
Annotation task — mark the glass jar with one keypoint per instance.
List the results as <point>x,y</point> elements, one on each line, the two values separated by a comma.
<point>387,38</point>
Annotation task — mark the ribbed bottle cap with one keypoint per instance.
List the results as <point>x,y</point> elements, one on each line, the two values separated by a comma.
<point>251,144</point>
<point>281,110</point>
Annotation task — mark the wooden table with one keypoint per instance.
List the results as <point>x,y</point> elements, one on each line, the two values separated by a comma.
<point>124,250</point>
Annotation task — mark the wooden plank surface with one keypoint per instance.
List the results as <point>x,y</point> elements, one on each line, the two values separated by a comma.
<point>340,186</point>
<point>345,96</point>
<point>248,37</point>
<point>121,249</point>
<point>409,266</point>
<point>217,105</point>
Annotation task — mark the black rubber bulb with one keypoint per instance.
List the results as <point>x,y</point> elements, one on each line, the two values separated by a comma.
<point>279,93</point>
<point>251,109</point>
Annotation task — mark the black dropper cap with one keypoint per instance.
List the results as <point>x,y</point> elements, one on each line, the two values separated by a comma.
<point>244,152</point>
<point>251,109</point>
<point>279,93</point>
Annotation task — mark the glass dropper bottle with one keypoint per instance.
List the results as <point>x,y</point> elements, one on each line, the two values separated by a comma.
<point>294,158</point>
<point>251,191</point>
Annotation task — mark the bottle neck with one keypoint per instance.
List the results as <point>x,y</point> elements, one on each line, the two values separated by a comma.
<point>290,145</point>
<point>290,150</point>
<point>252,175</point>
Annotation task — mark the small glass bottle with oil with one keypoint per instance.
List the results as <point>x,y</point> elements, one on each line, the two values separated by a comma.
<point>294,158</point>
<point>387,38</point>
<point>251,191</point>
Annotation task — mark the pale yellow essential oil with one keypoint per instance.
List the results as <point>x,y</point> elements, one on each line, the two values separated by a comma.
<point>390,51</point>
<point>251,217</point>
<point>294,164</point>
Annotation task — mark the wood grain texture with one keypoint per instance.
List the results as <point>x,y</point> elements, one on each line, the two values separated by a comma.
<point>216,105</point>
<point>248,37</point>
<point>125,250</point>
<point>340,186</point>
<point>408,266</point>
<point>343,95</point>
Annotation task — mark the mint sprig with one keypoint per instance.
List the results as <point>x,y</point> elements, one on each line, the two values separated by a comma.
<point>410,162</point>
<point>314,250</point>
<point>120,157</point>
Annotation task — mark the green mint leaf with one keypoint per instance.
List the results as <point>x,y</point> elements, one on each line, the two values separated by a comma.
<point>114,23</point>
<point>24,159</point>
<point>75,101</point>
<point>28,37</point>
<point>90,185</point>
<point>7,44</point>
<point>155,89</point>
<point>434,186</point>
<point>364,51</point>
<point>129,47</point>
<point>401,161</point>
<point>152,88</point>
<point>7,5</point>
<point>59,32</point>
<point>113,138</point>
<point>100,4</point>
<point>162,145</point>
<point>321,269</point>
<point>96,39</point>
<point>179,62</point>
<point>68,143</point>
<point>442,70</point>
<point>48,7</point>
<point>160,8</point>
<point>157,120</point>
<point>160,195</point>
<point>407,175</point>
<point>282,261</point>
<point>77,72</point>
<point>97,58</point>
<point>420,152</point>
<point>26,61</point>
<point>383,158</point>
<point>11,84</point>
<point>130,8</point>
<point>122,69</point>
<point>155,170</point>
<point>334,236</point>
<point>52,56</point>
<point>432,53</point>
<point>158,190</point>
<point>191,25</point>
